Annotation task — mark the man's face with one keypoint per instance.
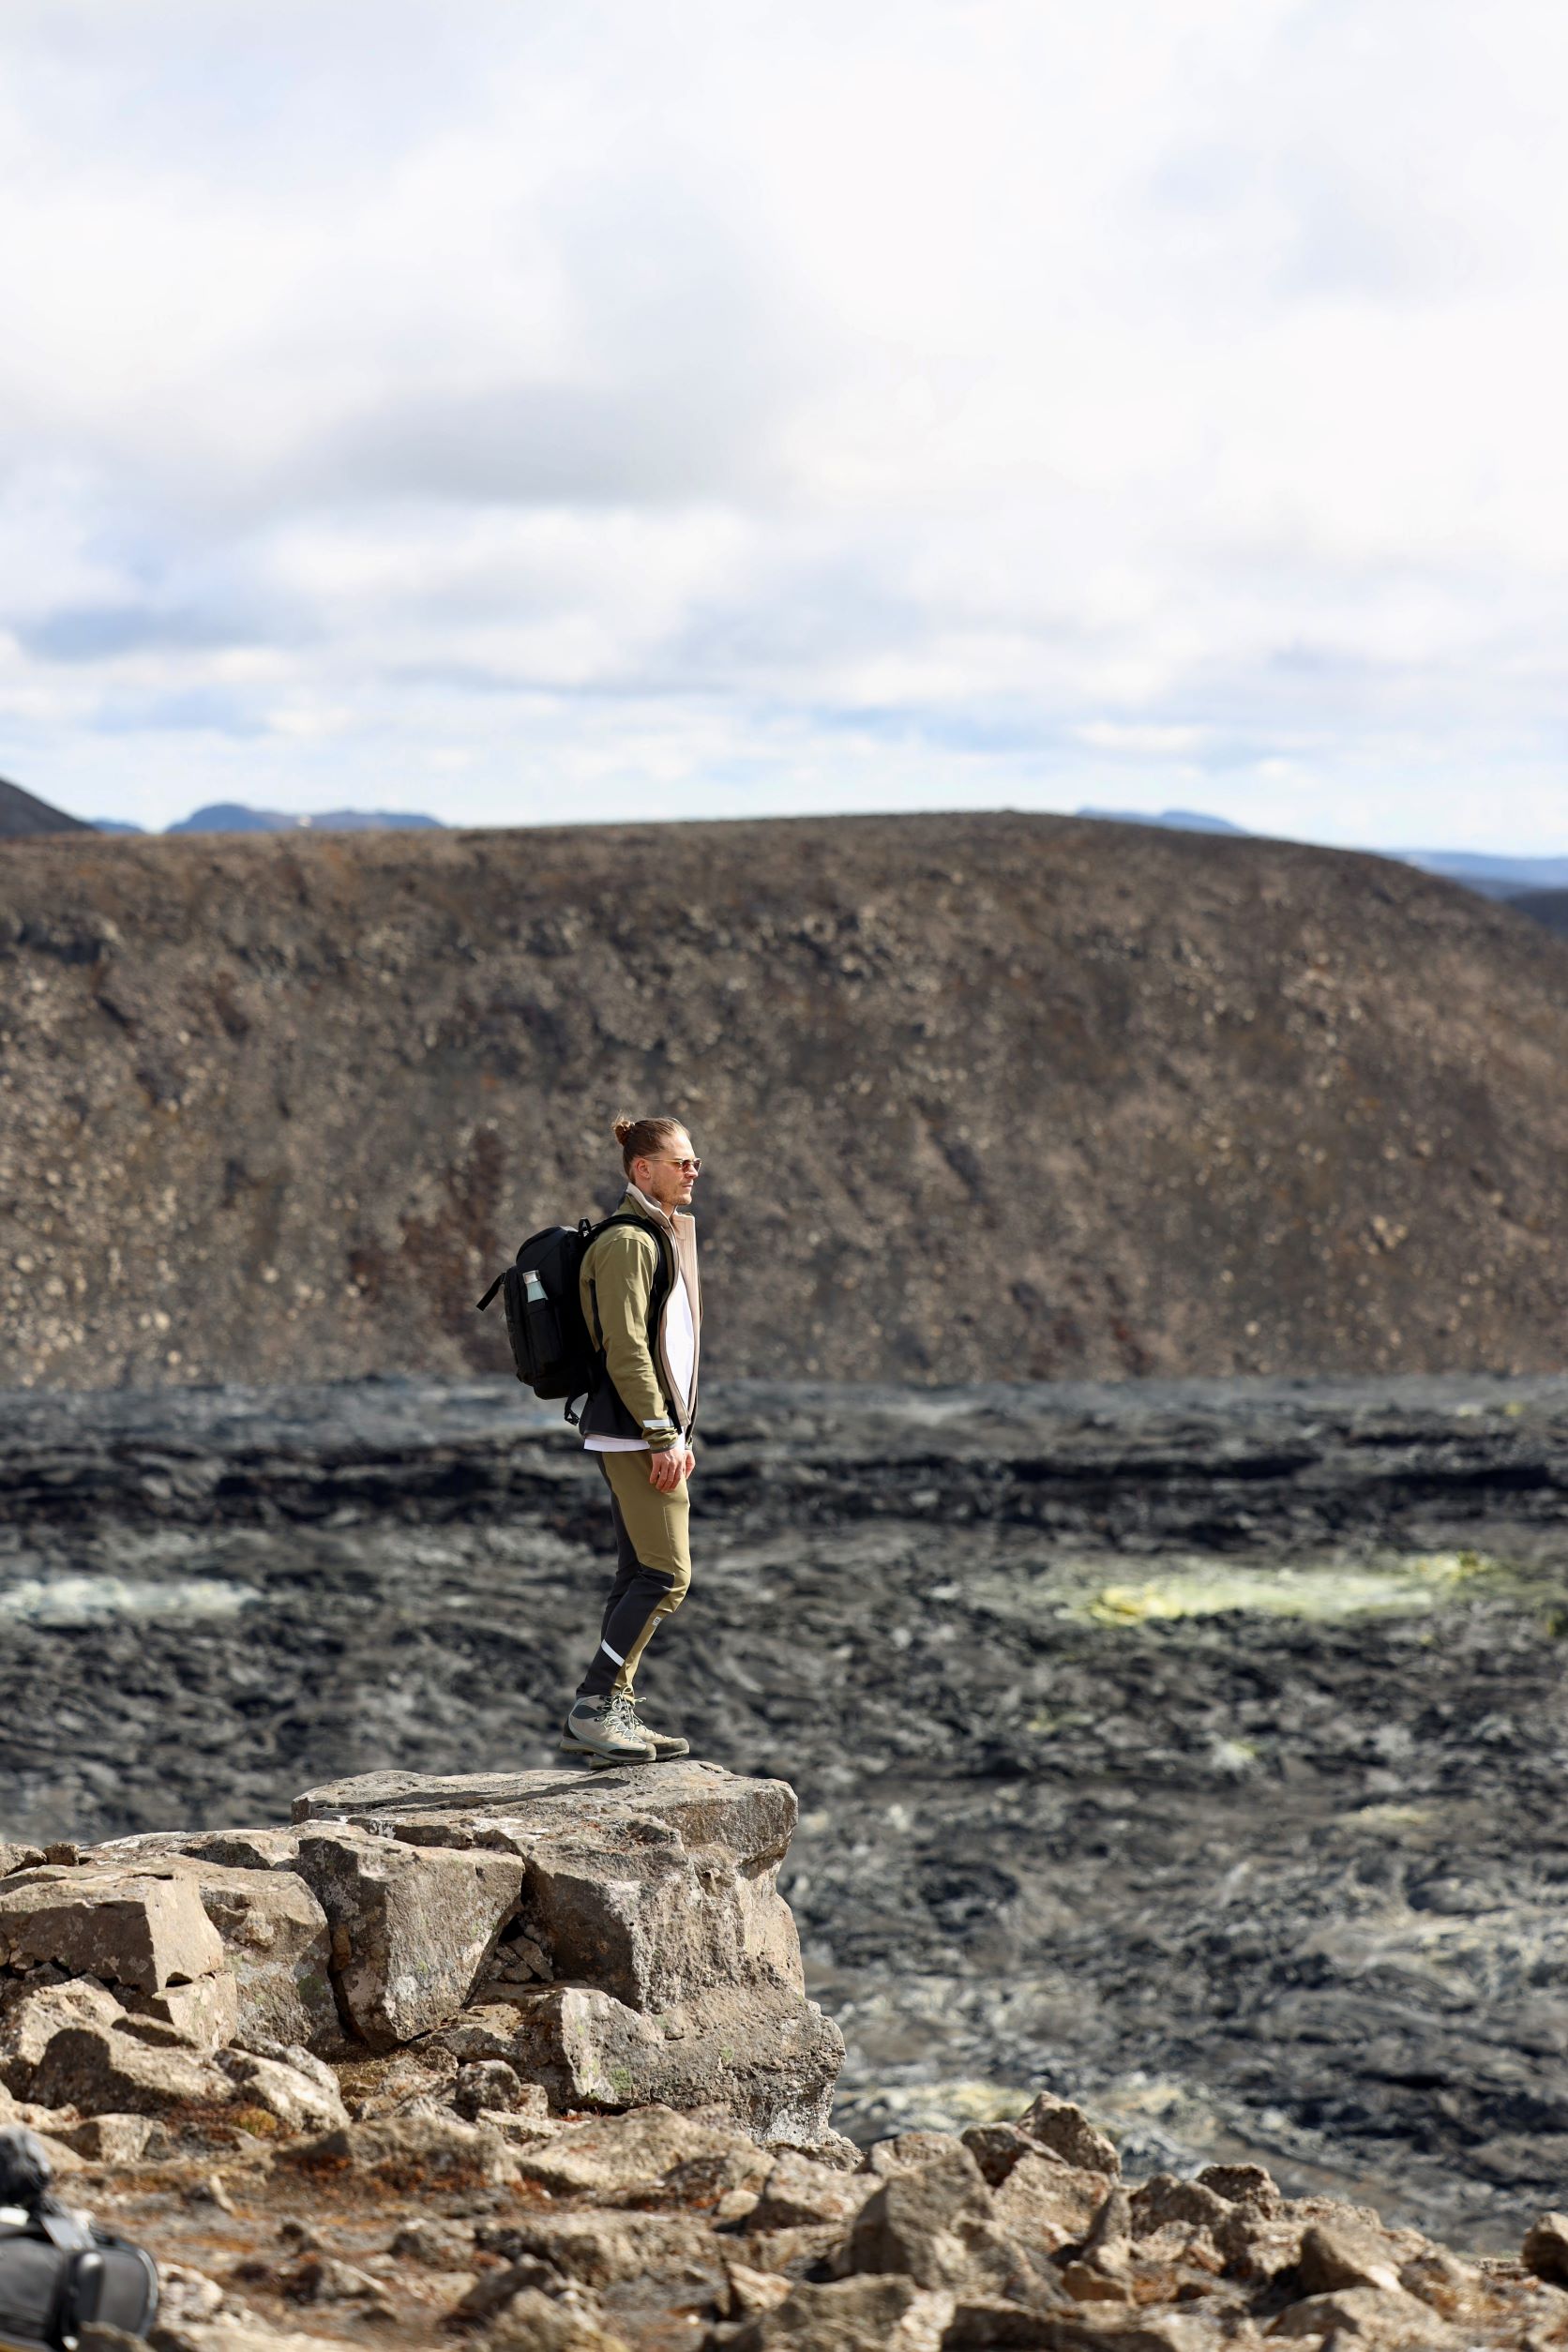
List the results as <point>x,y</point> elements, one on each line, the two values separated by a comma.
<point>668,1178</point>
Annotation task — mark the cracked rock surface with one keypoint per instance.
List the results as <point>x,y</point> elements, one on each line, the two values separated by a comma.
<point>1192,1753</point>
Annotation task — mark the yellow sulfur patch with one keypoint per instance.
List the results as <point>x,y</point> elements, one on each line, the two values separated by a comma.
<point>1392,1587</point>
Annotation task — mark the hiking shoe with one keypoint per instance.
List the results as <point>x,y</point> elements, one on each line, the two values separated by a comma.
<point>606,1731</point>
<point>664,1742</point>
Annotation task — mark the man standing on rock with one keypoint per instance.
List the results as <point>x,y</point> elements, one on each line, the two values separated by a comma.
<point>643,1309</point>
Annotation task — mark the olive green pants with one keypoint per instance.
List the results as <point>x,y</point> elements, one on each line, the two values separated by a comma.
<point>652,1570</point>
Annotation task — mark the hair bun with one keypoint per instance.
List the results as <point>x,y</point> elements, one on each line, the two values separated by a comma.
<point>644,1138</point>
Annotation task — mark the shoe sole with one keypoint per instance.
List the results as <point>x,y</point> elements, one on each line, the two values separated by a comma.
<point>599,1758</point>
<point>664,1752</point>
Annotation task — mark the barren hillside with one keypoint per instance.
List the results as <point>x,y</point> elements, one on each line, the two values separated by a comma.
<point>980,1096</point>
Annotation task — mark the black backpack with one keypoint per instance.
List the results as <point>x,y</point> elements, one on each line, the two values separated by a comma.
<point>550,1345</point>
<point>59,2274</point>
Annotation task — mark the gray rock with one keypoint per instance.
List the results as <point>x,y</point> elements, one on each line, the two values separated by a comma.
<point>272,1933</point>
<point>524,2318</point>
<point>1339,2255</point>
<point>912,2222</point>
<point>412,1926</point>
<point>907,2150</point>
<point>602,2249</point>
<point>1164,2200</point>
<point>1545,2248</point>
<point>1247,2185</point>
<point>1047,2204</point>
<point>768,2057</point>
<point>124,1928</point>
<point>30,2019</point>
<point>277,1947</point>
<point>438,2245</point>
<point>653,1887</point>
<point>1057,2124</point>
<point>1384,2320</point>
<point>798,2191</point>
<point>111,2139</point>
<point>296,2095</point>
<point>101,2071</point>
<point>996,2147</point>
<point>855,2314</point>
<point>652,2151</point>
<point>1102,2272</point>
<point>230,1849</point>
<point>411,2152</point>
<point>201,2017</point>
<point>490,2084</point>
<point>322,2278</point>
<point>655,1896</point>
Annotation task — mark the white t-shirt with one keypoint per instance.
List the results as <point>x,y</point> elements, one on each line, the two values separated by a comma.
<point>680,1347</point>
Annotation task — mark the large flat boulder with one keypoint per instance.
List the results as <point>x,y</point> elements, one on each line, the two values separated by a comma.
<point>653,1883</point>
<point>754,1819</point>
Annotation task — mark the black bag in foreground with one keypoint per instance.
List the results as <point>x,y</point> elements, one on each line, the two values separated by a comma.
<point>550,1345</point>
<point>59,2272</point>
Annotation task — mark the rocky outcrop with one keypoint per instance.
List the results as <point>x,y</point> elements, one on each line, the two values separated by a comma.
<point>1086,1099</point>
<point>609,1943</point>
<point>569,2097</point>
<point>624,1943</point>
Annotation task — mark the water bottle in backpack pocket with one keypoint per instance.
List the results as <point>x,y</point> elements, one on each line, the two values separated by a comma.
<point>552,1349</point>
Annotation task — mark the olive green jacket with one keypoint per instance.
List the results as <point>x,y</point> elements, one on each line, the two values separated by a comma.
<point>641,1397</point>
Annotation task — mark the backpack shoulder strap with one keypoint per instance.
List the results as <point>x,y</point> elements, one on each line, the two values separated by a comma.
<point>659,1289</point>
<point>661,1268</point>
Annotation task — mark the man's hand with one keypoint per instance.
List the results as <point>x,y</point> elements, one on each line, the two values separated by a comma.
<point>667,1470</point>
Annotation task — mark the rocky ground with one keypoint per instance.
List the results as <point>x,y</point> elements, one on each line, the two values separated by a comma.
<point>524,2061</point>
<point>1195,1752</point>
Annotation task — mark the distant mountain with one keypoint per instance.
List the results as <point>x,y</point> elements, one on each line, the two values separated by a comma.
<point>21,815</point>
<point>1549,907</point>
<point>115,825</point>
<point>232,816</point>
<point>1494,877</point>
<point>1183,820</point>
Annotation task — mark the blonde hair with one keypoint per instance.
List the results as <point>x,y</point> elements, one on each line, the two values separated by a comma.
<point>645,1139</point>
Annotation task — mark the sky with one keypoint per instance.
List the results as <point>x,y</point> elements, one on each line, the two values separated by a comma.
<point>527,412</point>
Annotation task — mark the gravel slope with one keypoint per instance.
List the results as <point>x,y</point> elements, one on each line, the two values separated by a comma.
<point>980,1094</point>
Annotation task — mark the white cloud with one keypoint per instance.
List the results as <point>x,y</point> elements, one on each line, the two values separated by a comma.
<point>959,403</point>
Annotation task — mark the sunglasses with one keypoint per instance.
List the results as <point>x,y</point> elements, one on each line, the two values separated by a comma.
<point>687,1167</point>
